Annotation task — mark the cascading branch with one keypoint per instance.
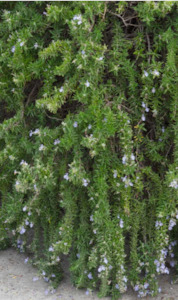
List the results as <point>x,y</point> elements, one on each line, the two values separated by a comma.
<point>88,140</point>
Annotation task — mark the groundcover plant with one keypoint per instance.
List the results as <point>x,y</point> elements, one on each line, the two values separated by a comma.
<point>88,144</point>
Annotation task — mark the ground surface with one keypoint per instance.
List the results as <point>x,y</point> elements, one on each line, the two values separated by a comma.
<point>16,283</point>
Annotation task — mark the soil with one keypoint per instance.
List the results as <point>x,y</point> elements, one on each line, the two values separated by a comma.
<point>16,283</point>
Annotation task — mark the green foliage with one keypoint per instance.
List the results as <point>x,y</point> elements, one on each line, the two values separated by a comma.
<point>88,140</point>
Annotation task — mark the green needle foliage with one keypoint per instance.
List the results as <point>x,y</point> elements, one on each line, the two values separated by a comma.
<point>89,140</point>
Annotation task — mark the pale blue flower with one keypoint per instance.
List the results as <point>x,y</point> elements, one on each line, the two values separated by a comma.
<point>42,147</point>
<point>89,126</point>
<point>172,263</point>
<point>87,292</point>
<point>51,249</point>
<point>87,83</point>
<point>143,117</point>
<point>153,90</point>
<point>22,230</point>
<point>24,208</point>
<point>105,260</point>
<point>56,142</point>
<point>46,292</point>
<point>35,278</point>
<point>101,268</point>
<point>75,124</point>
<point>13,49</point>
<point>85,182</point>
<point>21,44</point>
<point>132,156</point>
<point>66,176</point>
<point>115,174</point>
<point>61,89</point>
<point>121,223</point>
<point>155,72</point>
<point>90,276</point>
<point>36,45</point>
<point>172,223</point>
<point>117,286</point>
<point>91,218</point>
<point>124,159</point>
<point>145,73</point>
<point>146,285</point>
<point>26,260</point>
<point>136,288</point>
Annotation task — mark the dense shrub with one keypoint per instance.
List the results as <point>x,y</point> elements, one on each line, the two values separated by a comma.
<point>88,145</point>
